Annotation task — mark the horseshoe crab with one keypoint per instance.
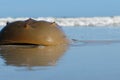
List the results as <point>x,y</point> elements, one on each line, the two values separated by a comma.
<point>33,32</point>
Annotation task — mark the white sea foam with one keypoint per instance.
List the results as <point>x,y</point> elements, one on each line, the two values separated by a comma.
<point>80,21</point>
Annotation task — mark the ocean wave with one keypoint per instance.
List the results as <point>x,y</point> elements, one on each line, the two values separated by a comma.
<point>80,21</point>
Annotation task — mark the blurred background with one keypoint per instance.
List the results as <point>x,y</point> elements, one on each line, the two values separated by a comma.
<point>59,8</point>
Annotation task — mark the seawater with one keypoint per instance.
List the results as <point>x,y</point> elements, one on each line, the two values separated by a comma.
<point>94,55</point>
<point>71,21</point>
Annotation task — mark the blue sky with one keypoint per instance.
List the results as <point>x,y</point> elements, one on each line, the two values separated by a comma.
<point>59,8</point>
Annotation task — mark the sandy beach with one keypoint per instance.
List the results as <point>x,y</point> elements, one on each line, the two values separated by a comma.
<point>94,56</point>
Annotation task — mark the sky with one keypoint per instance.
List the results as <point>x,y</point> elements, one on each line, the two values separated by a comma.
<point>59,8</point>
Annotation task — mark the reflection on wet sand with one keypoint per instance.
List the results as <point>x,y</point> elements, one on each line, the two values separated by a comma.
<point>31,56</point>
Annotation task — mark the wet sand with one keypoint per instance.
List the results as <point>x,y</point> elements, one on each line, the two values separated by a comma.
<point>94,55</point>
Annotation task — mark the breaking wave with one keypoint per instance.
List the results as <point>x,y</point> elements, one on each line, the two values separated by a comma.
<point>80,21</point>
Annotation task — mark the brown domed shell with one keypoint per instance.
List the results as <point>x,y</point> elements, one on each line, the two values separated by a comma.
<point>33,32</point>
